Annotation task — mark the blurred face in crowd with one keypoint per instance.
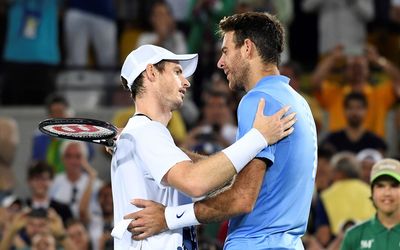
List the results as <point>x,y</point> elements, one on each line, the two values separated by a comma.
<point>324,172</point>
<point>355,112</point>
<point>161,18</point>
<point>58,110</point>
<point>357,70</point>
<point>366,167</point>
<point>106,201</point>
<point>79,235</point>
<point>40,184</point>
<point>72,158</point>
<point>216,110</point>
<point>386,195</point>
<point>43,241</point>
<point>35,226</point>
<point>231,61</point>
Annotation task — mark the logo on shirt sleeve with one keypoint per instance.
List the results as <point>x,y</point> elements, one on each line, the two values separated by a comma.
<point>179,216</point>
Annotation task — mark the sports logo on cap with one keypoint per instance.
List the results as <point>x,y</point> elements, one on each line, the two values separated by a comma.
<point>390,167</point>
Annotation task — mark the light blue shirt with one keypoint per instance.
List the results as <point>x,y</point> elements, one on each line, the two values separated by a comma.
<point>32,32</point>
<point>281,212</point>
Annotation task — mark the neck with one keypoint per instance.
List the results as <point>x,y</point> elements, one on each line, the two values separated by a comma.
<point>354,133</point>
<point>389,220</point>
<point>72,176</point>
<point>261,71</point>
<point>39,198</point>
<point>153,110</point>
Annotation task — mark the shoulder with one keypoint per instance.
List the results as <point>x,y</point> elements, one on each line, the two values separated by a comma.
<point>250,102</point>
<point>60,178</point>
<point>356,230</point>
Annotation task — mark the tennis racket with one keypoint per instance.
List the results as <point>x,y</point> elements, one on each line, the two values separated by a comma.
<point>81,129</point>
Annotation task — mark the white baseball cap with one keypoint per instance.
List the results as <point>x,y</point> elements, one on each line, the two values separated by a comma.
<point>137,61</point>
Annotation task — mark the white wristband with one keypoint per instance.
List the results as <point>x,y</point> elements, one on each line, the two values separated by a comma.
<point>180,216</point>
<point>245,149</point>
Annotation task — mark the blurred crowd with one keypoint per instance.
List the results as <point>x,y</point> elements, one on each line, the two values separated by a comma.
<point>343,56</point>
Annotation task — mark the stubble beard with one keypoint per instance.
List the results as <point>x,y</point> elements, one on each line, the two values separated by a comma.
<point>240,78</point>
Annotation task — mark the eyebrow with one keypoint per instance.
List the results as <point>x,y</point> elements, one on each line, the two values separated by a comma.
<point>178,68</point>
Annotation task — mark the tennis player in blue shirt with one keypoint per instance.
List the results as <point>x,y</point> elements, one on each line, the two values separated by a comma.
<point>268,203</point>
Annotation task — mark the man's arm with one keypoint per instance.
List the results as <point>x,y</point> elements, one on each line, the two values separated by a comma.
<point>195,157</point>
<point>200,178</point>
<point>325,67</point>
<point>239,199</point>
<point>388,67</point>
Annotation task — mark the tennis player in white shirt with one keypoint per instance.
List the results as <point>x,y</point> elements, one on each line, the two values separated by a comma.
<point>146,162</point>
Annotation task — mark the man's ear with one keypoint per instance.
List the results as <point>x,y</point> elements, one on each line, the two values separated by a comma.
<point>150,72</point>
<point>248,48</point>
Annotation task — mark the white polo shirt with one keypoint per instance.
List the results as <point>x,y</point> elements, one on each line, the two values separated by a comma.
<point>144,153</point>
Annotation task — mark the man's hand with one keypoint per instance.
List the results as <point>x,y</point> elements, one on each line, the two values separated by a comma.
<point>148,221</point>
<point>274,127</point>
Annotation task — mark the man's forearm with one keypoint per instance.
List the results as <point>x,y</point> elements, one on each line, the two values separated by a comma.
<point>238,199</point>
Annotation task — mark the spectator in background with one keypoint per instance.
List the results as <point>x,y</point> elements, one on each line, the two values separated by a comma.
<point>105,241</point>
<point>68,187</point>
<point>330,92</point>
<point>90,22</point>
<point>341,22</point>
<point>47,148</point>
<point>26,226</point>
<point>180,12</point>
<point>98,223</point>
<point>216,130</point>
<point>367,158</point>
<point>9,139</point>
<point>345,201</point>
<point>78,234</point>
<point>40,177</point>
<point>382,230</point>
<point>164,32</point>
<point>323,180</point>
<point>354,137</point>
<point>9,208</point>
<point>31,52</point>
<point>384,29</point>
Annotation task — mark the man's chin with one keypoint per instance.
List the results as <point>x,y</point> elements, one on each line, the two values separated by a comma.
<point>235,86</point>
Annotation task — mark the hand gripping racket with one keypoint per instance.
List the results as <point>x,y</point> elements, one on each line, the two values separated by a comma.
<point>81,129</point>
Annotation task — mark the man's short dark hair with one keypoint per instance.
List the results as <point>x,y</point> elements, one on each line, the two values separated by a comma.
<point>355,96</point>
<point>137,87</point>
<point>39,167</point>
<point>263,29</point>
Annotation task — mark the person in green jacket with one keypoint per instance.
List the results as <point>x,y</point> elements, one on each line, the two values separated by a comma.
<point>383,230</point>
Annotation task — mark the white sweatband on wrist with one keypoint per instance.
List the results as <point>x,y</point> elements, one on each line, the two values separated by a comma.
<point>180,216</point>
<point>245,149</point>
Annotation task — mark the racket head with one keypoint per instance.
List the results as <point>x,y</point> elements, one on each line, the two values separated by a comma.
<point>82,129</point>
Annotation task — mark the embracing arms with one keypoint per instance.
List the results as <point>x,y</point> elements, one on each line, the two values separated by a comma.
<point>210,173</point>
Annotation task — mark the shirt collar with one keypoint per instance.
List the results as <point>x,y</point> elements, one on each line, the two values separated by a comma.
<point>378,227</point>
<point>272,79</point>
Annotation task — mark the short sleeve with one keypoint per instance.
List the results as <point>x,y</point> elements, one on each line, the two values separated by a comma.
<point>157,151</point>
<point>246,113</point>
